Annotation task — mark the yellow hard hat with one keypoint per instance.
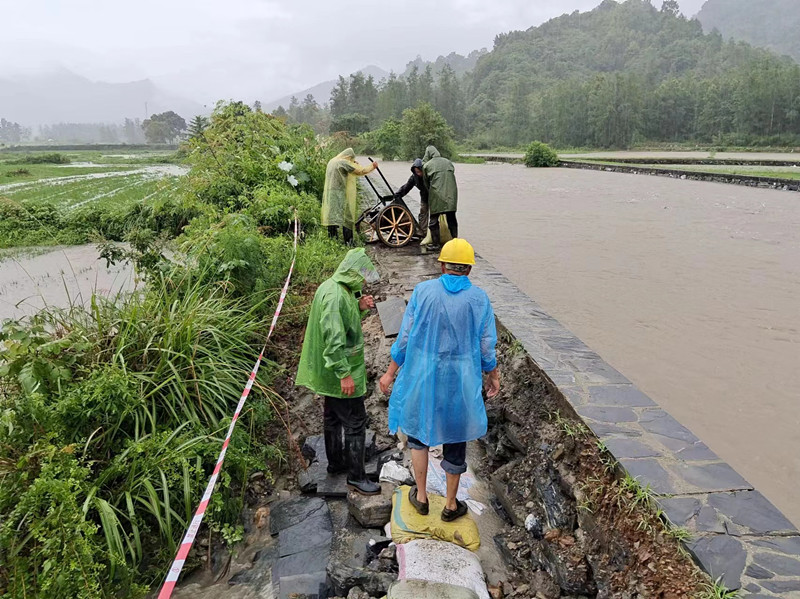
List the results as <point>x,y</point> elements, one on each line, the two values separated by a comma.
<point>457,251</point>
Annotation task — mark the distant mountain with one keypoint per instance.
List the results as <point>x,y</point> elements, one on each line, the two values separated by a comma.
<point>460,64</point>
<point>771,24</point>
<point>322,91</point>
<point>61,96</point>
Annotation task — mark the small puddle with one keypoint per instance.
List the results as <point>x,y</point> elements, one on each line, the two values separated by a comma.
<point>33,278</point>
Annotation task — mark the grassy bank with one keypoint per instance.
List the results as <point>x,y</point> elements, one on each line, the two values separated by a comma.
<point>111,416</point>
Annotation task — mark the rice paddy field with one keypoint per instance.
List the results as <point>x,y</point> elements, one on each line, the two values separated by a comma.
<point>73,201</point>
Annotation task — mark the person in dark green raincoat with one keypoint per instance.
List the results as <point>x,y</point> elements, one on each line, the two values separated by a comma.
<point>332,365</point>
<point>440,179</point>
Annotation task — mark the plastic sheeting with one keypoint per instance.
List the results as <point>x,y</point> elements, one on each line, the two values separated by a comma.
<point>447,340</point>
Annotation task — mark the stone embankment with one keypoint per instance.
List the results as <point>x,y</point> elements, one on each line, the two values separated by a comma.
<point>748,180</point>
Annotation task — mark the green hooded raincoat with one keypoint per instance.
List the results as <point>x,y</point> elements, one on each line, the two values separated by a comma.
<point>334,344</point>
<point>440,179</point>
<point>340,196</point>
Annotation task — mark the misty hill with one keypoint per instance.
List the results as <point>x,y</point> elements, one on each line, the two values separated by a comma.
<point>461,65</point>
<point>322,91</point>
<point>61,96</point>
<point>628,71</point>
<point>773,24</point>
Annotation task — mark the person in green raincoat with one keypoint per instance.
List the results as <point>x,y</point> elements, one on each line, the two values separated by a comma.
<point>340,196</point>
<point>438,174</point>
<point>332,365</point>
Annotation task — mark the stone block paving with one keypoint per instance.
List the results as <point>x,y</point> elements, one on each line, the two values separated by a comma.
<point>737,534</point>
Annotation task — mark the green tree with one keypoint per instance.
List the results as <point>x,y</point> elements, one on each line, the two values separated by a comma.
<point>449,99</point>
<point>421,127</point>
<point>10,132</point>
<point>197,126</point>
<point>166,127</point>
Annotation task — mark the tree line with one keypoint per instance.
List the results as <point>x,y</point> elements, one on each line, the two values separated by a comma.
<point>163,128</point>
<point>612,77</point>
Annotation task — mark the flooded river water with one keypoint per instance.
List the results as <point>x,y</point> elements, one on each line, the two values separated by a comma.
<point>690,289</point>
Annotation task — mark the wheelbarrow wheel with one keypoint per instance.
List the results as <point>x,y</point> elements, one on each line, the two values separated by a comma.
<point>367,229</point>
<point>395,226</point>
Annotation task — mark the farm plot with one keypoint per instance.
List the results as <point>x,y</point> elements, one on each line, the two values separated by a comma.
<point>72,210</point>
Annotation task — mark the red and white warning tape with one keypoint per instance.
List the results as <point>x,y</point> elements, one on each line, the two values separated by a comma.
<point>191,533</point>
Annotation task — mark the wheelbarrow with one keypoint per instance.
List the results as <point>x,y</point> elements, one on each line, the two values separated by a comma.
<point>389,220</point>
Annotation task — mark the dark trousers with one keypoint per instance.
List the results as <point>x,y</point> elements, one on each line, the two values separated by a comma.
<point>348,413</point>
<point>454,454</point>
<point>452,224</point>
<point>423,219</point>
<point>347,234</point>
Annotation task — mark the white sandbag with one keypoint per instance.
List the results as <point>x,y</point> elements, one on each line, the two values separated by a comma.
<point>437,561</point>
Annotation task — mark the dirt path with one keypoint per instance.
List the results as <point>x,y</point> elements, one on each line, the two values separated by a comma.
<point>690,289</point>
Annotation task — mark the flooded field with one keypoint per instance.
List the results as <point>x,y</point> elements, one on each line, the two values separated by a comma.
<point>690,289</point>
<point>33,279</point>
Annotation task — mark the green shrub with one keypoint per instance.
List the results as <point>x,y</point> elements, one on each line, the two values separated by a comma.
<point>539,154</point>
<point>46,158</point>
<point>385,141</point>
<point>422,127</point>
<point>273,206</point>
<point>243,149</point>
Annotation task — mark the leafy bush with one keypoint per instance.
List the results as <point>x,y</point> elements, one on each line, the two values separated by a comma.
<point>539,154</point>
<point>111,415</point>
<point>422,127</point>
<point>243,149</point>
<point>44,158</point>
<point>20,172</point>
<point>385,141</point>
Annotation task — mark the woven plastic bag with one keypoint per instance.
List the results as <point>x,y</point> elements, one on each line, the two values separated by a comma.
<point>437,561</point>
<point>408,525</point>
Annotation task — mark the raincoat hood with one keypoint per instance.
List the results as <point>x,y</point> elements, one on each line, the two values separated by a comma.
<point>355,269</point>
<point>455,283</point>
<point>417,164</point>
<point>430,152</point>
<point>347,154</point>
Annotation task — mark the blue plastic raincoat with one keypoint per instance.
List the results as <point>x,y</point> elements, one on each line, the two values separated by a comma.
<point>447,340</point>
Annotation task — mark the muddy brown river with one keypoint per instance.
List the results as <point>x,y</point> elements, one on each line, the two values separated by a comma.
<point>690,289</point>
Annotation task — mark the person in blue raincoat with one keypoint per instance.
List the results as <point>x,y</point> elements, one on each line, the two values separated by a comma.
<point>447,340</point>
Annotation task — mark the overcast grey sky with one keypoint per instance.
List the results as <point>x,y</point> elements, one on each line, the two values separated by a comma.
<point>248,49</point>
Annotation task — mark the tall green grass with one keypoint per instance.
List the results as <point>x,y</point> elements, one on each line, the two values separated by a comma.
<point>112,414</point>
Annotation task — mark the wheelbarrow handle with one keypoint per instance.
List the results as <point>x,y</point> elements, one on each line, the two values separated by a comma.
<point>381,174</point>
<point>372,185</point>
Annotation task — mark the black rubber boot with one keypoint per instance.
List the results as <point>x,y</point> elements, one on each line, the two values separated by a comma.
<point>454,231</point>
<point>354,450</point>
<point>334,449</point>
<point>436,238</point>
